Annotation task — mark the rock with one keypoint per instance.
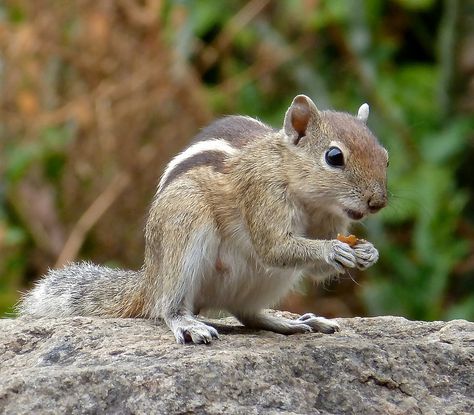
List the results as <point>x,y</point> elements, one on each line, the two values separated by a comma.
<point>383,365</point>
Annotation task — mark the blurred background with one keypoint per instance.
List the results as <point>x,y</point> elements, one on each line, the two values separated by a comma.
<point>96,96</point>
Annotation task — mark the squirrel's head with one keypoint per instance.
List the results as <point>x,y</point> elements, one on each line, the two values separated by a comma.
<point>337,159</point>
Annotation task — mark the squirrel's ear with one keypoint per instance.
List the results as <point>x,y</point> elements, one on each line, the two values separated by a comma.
<point>363,113</point>
<point>301,114</point>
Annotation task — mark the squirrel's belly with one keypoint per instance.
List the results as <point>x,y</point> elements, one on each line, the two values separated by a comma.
<point>265,288</point>
<point>238,283</point>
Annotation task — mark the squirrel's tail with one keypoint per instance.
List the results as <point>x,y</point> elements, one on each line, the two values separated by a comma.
<point>85,289</point>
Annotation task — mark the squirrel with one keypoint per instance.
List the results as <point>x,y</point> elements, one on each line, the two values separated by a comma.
<point>239,217</point>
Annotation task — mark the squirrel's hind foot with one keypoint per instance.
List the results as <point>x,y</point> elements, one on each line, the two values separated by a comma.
<point>187,329</point>
<point>319,324</point>
<point>304,324</point>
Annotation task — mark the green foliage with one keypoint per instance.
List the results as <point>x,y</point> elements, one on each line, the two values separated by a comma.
<point>46,151</point>
<point>416,4</point>
<point>421,246</point>
<point>420,260</point>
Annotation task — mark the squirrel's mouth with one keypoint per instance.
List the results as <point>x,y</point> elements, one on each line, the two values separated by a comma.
<point>354,214</point>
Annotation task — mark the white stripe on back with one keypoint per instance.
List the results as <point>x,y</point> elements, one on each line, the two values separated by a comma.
<point>199,147</point>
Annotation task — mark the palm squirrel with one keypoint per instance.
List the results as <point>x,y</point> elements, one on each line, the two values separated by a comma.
<point>238,218</point>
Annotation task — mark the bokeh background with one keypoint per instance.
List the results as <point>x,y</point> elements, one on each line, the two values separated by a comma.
<point>97,95</point>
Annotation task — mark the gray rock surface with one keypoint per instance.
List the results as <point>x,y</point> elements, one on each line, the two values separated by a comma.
<point>384,365</point>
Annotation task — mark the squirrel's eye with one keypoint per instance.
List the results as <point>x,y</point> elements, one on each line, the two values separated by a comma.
<point>334,157</point>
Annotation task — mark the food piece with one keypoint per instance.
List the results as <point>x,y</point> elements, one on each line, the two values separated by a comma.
<point>350,240</point>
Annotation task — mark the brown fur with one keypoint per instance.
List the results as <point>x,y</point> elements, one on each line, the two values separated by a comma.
<point>237,220</point>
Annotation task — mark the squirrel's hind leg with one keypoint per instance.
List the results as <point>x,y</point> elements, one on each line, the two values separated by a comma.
<point>304,324</point>
<point>184,263</point>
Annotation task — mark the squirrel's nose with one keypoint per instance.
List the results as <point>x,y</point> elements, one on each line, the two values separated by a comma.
<point>377,202</point>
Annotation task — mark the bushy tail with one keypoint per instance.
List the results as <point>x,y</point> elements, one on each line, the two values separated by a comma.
<point>85,289</point>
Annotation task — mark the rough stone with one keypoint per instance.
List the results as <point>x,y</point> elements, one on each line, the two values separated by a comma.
<point>383,365</point>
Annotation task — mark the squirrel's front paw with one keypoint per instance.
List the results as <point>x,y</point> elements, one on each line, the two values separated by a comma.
<point>340,255</point>
<point>366,255</point>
